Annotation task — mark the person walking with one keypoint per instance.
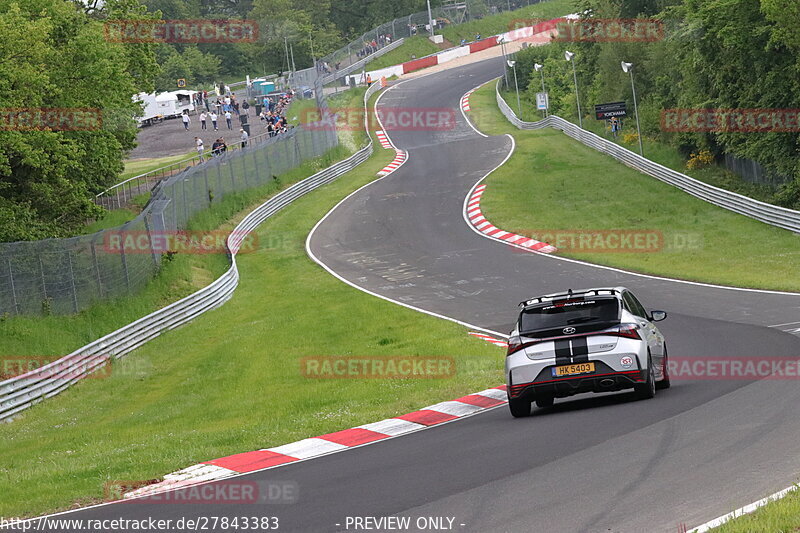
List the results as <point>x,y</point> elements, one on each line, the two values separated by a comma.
<point>214,119</point>
<point>203,117</point>
<point>228,116</point>
<point>198,143</point>
<point>244,137</point>
<point>614,126</point>
<point>186,120</point>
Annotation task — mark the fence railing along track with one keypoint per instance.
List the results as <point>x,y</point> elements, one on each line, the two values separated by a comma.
<point>21,392</point>
<point>774,215</point>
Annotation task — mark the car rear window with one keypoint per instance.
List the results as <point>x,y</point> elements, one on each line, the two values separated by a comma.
<point>559,314</point>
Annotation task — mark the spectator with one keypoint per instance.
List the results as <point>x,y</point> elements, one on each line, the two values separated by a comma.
<point>198,143</point>
<point>203,117</point>
<point>222,146</point>
<point>244,137</point>
<point>186,120</point>
<point>228,119</point>
<point>215,147</point>
<point>614,126</point>
<point>245,107</point>
<point>214,119</point>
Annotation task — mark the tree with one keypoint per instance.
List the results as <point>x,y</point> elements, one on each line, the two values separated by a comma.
<point>55,56</point>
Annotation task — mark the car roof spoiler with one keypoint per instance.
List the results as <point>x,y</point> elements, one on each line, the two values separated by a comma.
<point>569,294</point>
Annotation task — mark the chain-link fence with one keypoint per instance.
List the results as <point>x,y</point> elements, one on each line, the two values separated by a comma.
<point>62,276</point>
<point>752,171</point>
<point>333,66</point>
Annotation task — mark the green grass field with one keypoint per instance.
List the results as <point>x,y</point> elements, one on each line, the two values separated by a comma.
<point>660,152</point>
<point>555,183</point>
<point>508,20</point>
<point>230,381</point>
<point>412,48</point>
<point>782,516</point>
<point>420,46</point>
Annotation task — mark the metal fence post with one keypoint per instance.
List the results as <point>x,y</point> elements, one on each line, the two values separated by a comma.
<point>125,269</point>
<point>207,191</point>
<point>41,269</point>
<point>13,289</point>
<point>97,271</point>
<point>72,282</point>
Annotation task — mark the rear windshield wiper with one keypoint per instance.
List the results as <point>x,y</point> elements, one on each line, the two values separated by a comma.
<point>581,320</point>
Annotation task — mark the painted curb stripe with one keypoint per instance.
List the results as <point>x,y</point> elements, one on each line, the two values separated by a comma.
<point>465,100</point>
<point>399,158</point>
<point>381,135</point>
<point>489,338</point>
<point>242,463</point>
<point>479,222</point>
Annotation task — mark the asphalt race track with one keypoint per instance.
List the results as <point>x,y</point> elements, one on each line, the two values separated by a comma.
<point>599,463</point>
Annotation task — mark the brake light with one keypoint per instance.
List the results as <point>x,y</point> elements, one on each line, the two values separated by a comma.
<point>514,345</point>
<point>625,330</point>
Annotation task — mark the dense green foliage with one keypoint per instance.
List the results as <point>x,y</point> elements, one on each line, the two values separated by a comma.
<point>54,55</point>
<point>725,54</point>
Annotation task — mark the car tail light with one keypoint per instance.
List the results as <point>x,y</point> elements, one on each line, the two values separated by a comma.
<point>515,344</point>
<point>624,330</point>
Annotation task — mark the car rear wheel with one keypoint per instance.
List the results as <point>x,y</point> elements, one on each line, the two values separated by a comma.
<point>519,407</point>
<point>664,383</point>
<point>544,401</point>
<point>647,389</point>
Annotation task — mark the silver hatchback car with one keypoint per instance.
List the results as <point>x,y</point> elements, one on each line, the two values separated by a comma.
<point>593,340</point>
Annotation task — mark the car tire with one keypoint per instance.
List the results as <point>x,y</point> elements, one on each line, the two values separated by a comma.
<point>519,407</point>
<point>544,401</point>
<point>647,389</point>
<point>664,383</point>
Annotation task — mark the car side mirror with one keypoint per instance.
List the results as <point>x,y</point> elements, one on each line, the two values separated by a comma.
<point>657,316</point>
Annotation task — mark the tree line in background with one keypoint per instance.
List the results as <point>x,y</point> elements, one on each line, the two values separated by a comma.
<point>54,54</point>
<point>715,54</point>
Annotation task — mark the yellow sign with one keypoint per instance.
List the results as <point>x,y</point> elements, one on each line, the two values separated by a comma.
<point>181,82</point>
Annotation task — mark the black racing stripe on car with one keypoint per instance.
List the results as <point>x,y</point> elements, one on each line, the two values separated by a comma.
<point>563,353</point>
<point>580,350</point>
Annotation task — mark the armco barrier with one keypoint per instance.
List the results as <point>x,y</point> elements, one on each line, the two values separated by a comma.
<point>774,215</point>
<point>21,392</point>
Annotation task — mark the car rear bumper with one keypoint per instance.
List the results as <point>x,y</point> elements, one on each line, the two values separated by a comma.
<point>603,379</point>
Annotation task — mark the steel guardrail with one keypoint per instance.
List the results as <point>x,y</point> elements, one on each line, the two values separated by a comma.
<point>773,215</point>
<point>24,391</point>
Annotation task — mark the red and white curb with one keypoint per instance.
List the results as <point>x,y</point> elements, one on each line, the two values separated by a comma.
<point>465,100</point>
<point>247,462</point>
<point>489,338</point>
<point>399,158</point>
<point>383,139</point>
<point>479,222</point>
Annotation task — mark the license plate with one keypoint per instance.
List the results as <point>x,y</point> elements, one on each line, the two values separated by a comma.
<point>573,370</point>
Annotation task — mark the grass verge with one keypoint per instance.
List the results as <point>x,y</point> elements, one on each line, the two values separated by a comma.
<point>660,152</point>
<point>420,46</point>
<point>779,516</point>
<point>230,381</point>
<point>555,183</point>
<point>139,166</point>
<point>412,48</point>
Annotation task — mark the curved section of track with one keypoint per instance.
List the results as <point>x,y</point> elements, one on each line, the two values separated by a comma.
<point>591,463</point>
